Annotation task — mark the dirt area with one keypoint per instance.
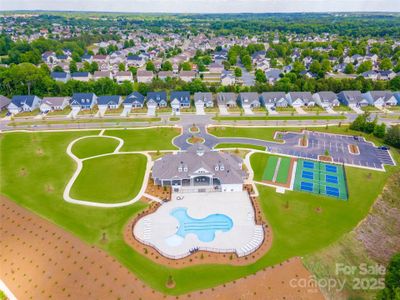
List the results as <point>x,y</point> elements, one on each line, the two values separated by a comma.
<point>39,260</point>
<point>194,129</point>
<point>325,158</point>
<point>303,142</point>
<point>195,140</point>
<point>201,257</point>
<point>353,149</point>
<point>160,192</point>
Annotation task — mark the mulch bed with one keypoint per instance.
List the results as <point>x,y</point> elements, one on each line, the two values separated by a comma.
<point>325,158</point>
<point>353,149</point>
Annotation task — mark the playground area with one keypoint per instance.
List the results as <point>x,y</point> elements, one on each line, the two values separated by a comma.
<point>321,178</point>
<point>277,170</point>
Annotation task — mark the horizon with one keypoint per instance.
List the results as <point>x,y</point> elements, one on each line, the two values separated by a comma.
<point>205,6</point>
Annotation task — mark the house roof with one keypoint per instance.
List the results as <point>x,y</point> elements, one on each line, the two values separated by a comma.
<point>82,98</point>
<point>199,157</point>
<point>54,101</point>
<point>304,96</point>
<point>102,74</point>
<point>249,97</point>
<point>134,97</point>
<point>24,99</point>
<point>327,96</point>
<point>157,96</point>
<point>187,74</point>
<point>144,73</point>
<point>80,74</point>
<point>273,73</point>
<point>352,96</point>
<point>272,97</point>
<point>165,74</point>
<point>181,96</point>
<point>59,75</point>
<point>107,100</point>
<point>123,73</point>
<point>204,97</point>
<point>4,101</point>
<point>386,95</point>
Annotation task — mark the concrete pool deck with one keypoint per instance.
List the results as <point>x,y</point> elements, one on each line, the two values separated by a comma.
<point>159,228</point>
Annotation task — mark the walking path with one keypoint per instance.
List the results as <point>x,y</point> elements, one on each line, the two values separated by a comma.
<point>276,170</point>
<point>79,162</point>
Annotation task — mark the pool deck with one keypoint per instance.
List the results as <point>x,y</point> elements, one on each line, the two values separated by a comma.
<point>159,228</point>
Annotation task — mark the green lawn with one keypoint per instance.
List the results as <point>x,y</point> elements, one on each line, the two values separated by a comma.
<point>236,145</point>
<point>36,175</point>
<point>82,121</point>
<point>146,139</point>
<point>277,118</point>
<point>269,168</point>
<point>110,179</point>
<point>92,146</point>
<point>283,171</point>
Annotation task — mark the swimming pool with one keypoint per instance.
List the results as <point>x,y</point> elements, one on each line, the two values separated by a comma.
<point>204,228</point>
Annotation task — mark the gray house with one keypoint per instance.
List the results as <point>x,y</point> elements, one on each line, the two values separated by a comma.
<point>199,169</point>
<point>178,100</point>
<point>249,100</point>
<point>300,99</point>
<point>205,99</point>
<point>380,98</point>
<point>352,98</point>
<point>326,99</point>
<point>4,102</point>
<point>227,99</point>
<point>54,103</point>
<point>274,99</point>
<point>109,102</point>
<point>23,103</point>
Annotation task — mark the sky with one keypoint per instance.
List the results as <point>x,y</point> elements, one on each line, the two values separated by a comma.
<point>204,6</point>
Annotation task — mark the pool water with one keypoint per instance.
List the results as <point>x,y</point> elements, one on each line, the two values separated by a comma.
<point>204,228</point>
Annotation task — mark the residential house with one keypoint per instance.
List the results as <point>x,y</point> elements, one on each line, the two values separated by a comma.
<point>135,61</point>
<point>249,100</point>
<point>144,76</point>
<point>83,100</point>
<point>274,99</point>
<point>23,103</point>
<point>373,75</point>
<point>205,99</point>
<point>81,76</point>
<point>227,78</point>
<point>109,102</point>
<point>179,99</point>
<point>273,75</point>
<point>49,57</point>
<point>380,98</point>
<point>352,98</point>
<point>157,99</point>
<point>165,74</point>
<point>397,97</point>
<point>122,76</point>
<point>4,102</point>
<point>326,99</point>
<point>134,100</point>
<point>187,76</point>
<point>102,74</point>
<point>386,75</point>
<point>227,99</point>
<point>215,68</point>
<point>60,76</point>
<point>300,99</point>
<point>54,103</point>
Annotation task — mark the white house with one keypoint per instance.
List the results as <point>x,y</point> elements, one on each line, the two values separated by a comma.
<point>326,99</point>
<point>144,76</point>
<point>300,99</point>
<point>23,103</point>
<point>123,76</point>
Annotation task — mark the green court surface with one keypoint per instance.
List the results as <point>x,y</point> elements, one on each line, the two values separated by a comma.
<point>321,178</point>
<point>269,168</point>
<point>283,171</point>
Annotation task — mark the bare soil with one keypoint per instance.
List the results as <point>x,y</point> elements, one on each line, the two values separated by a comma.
<point>39,260</point>
<point>354,149</point>
<point>325,158</point>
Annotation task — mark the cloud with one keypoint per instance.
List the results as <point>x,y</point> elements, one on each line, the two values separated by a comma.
<point>200,6</point>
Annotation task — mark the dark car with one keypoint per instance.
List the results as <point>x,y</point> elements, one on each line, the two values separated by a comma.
<point>355,137</point>
<point>384,148</point>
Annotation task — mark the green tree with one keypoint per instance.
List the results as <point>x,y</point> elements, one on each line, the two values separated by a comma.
<point>315,67</point>
<point>392,280</point>
<point>364,67</point>
<point>393,136</point>
<point>238,72</point>
<point>380,130</point>
<point>150,66</point>
<point>121,67</point>
<point>298,67</point>
<point>58,69</point>
<point>349,69</point>
<point>260,76</point>
<point>186,66</point>
<point>386,64</point>
<point>72,67</point>
<point>167,66</point>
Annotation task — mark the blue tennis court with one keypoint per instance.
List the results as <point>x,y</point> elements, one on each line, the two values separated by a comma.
<point>306,186</point>
<point>331,179</point>
<point>308,164</point>
<point>330,168</point>
<point>332,191</point>
<point>307,175</point>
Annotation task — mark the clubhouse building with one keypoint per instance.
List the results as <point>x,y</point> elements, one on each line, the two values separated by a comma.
<point>199,169</point>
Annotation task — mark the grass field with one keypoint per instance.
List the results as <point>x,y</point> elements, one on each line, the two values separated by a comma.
<point>146,139</point>
<point>92,146</point>
<point>269,169</point>
<point>283,171</point>
<point>110,179</point>
<point>277,118</point>
<point>301,223</point>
